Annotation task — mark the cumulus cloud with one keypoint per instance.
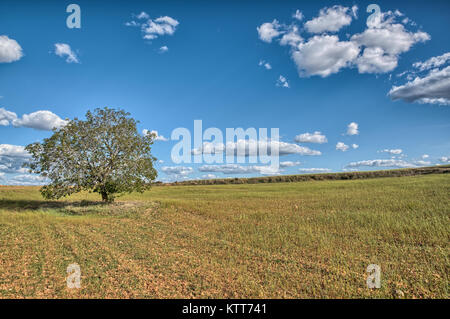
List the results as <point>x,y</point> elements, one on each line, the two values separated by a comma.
<point>434,88</point>
<point>433,62</point>
<point>27,180</point>
<point>154,28</point>
<point>315,170</point>
<point>392,151</point>
<point>291,37</point>
<point>374,60</point>
<point>282,82</point>
<point>422,163</point>
<point>324,55</point>
<point>6,117</point>
<point>355,146</point>
<point>12,158</point>
<point>239,169</point>
<point>352,129</point>
<point>269,30</point>
<point>341,147</point>
<point>391,37</point>
<point>143,15</point>
<point>265,64</point>
<point>289,164</point>
<point>381,163</point>
<point>155,133</point>
<point>40,120</point>
<point>444,159</point>
<point>254,148</point>
<point>177,170</point>
<point>330,20</point>
<point>384,40</point>
<point>13,150</point>
<point>10,50</point>
<point>375,50</point>
<point>209,176</point>
<point>315,137</point>
<point>163,49</point>
<point>298,15</point>
<point>424,156</point>
<point>64,50</point>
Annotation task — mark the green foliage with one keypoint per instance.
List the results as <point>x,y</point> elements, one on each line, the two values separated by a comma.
<point>104,154</point>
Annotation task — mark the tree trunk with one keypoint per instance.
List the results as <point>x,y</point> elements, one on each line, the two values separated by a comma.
<point>105,197</point>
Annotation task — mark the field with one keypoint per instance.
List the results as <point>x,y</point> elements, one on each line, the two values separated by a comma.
<point>311,239</point>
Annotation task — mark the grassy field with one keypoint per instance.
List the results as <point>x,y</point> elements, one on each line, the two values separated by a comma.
<point>309,239</point>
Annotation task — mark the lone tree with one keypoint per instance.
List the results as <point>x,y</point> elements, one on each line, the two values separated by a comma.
<point>104,154</point>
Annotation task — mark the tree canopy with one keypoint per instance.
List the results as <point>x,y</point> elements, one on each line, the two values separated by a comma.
<point>103,153</point>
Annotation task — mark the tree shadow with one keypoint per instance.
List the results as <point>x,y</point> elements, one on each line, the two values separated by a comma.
<point>70,207</point>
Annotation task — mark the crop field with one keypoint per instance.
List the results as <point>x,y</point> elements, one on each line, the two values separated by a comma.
<point>311,239</point>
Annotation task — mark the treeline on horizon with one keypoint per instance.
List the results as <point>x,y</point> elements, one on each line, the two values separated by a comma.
<point>443,169</point>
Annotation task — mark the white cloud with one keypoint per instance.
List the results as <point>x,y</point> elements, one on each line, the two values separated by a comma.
<point>422,163</point>
<point>355,146</point>
<point>324,55</point>
<point>12,158</point>
<point>392,151</point>
<point>341,147</point>
<point>13,150</point>
<point>265,64</point>
<point>433,88</point>
<point>298,15</point>
<point>6,117</point>
<point>40,120</point>
<point>27,180</point>
<point>209,176</point>
<point>433,62</point>
<point>155,133</point>
<point>163,49</point>
<point>283,82</point>
<point>64,50</point>
<point>289,164</point>
<point>444,159</point>
<point>375,50</point>
<point>355,11</point>
<point>291,37</point>
<point>177,170</point>
<point>315,170</point>
<point>381,163</point>
<point>391,37</point>
<point>143,15</point>
<point>424,156</point>
<point>315,137</point>
<point>239,169</point>
<point>384,40</point>
<point>154,28</point>
<point>330,20</point>
<point>10,50</point>
<point>374,60</point>
<point>352,129</point>
<point>253,148</point>
<point>269,30</point>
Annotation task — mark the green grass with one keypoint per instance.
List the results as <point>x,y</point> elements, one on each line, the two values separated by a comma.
<point>309,239</point>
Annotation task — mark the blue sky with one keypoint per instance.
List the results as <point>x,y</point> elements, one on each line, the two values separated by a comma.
<point>337,69</point>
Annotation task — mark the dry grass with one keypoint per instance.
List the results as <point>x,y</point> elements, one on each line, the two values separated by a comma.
<point>284,240</point>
